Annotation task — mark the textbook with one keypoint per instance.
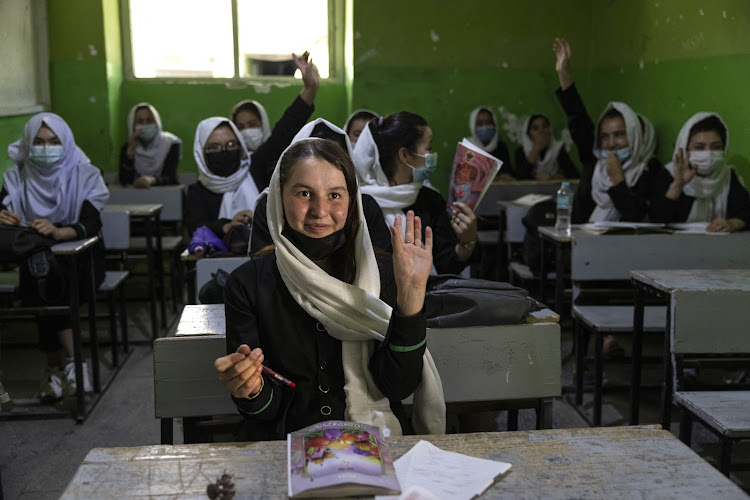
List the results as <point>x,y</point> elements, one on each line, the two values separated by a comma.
<point>337,459</point>
<point>473,172</point>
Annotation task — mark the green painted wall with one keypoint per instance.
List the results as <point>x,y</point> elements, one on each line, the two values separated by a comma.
<point>11,129</point>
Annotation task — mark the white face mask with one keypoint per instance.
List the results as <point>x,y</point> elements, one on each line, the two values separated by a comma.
<point>46,156</point>
<point>253,137</point>
<point>707,161</point>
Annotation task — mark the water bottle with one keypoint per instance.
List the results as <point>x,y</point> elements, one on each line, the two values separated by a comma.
<point>564,206</point>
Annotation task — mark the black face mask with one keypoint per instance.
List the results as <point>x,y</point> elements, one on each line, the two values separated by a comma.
<point>315,248</point>
<point>223,163</point>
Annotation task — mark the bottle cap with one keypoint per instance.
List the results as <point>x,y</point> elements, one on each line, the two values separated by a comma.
<point>566,183</point>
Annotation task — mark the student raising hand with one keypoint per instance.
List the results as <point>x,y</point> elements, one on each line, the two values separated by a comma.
<point>310,76</point>
<point>683,174</point>
<point>562,50</point>
<point>412,263</point>
<point>241,372</point>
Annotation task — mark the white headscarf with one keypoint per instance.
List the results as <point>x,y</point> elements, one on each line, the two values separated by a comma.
<point>54,193</point>
<point>711,192</point>
<point>239,189</point>
<point>544,164</point>
<point>490,146</point>
<point>149,158</point>
<point>632,168</point>
<point>353,314</point>
<point>306,132</point>
<point>351,116</point>
<point>265,124</point>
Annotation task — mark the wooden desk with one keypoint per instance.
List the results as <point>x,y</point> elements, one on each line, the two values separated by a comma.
<point>170,197</point>
<point>715,293</point>
<point>614,462</point>
<point>150,215</point>
<point>511,190</point>
<point>510,363</point>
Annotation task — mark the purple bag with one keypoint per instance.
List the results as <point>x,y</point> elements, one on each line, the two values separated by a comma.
<point>204,242</point>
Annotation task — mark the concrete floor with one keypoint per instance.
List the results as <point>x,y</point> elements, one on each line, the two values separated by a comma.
<point>39,457</point>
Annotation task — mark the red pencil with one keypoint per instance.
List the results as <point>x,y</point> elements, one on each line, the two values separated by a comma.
<point>278,377</point>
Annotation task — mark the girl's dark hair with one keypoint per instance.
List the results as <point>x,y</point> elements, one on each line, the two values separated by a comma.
<point>396,131</point>
<point>710,124</point>
<point>534,117</point>
<point>245,106</point>
<point>610,113</point>
<point>344,265</point>
<point>366,115</point>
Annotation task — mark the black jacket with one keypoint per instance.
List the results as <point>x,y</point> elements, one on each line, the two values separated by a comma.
<point>168,175</point>
<point>525,170</point>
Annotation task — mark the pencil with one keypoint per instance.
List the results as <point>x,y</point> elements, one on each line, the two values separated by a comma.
<point>278,377</point>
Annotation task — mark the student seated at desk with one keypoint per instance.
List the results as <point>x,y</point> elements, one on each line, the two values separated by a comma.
<point>151,155</point>
<point>540,156</point>
<point>310,309</point>
<point>54,189</point>
<point>260,236</point>
<point>484,135</point>
<point>224,196</point>
<point>394,162</point>
<point>615,181</point>
<point>265,146</point>
<point>699,186</point>
<point>357,122</point>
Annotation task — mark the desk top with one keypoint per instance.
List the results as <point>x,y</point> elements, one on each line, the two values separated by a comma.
<point>169,187</point>
<point>74,247</point>
<point>136,209</point>
<point>669,280</point>
<point>202,319</point>
<point>550,233</point>
<point>610,462</point>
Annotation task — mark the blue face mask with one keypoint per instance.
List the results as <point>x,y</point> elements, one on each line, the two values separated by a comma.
<point>430,164</point>
<point>46,156</point>
<point>485,133</point>
<point>149,131</point>
<point>622,154</point>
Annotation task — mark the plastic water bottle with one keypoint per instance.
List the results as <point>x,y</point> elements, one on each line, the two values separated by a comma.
<point>564,206</point>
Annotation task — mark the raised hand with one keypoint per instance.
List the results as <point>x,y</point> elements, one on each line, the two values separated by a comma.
<point>562,52</point>
<point>412,263</point>
<point>683,173</point>
<point>310,76</point>
<point>240,372</point>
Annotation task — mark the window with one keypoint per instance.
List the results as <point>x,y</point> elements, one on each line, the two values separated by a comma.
<point>235,39</point>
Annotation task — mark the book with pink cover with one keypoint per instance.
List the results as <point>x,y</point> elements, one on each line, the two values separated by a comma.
<point>336,459</point>
<point>473,172</point>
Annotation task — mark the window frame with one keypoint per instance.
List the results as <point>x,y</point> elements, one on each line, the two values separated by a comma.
<point>336,37</point>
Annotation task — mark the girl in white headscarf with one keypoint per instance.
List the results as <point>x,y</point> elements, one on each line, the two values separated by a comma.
<point>540,156</point>
<point>698,185</point>
<point>394,161</point>
<point>357,122</point>
<point>615,181</point>
<point>485,135</point>
<point>225,193</point>
<point>347,328</point>
<point>266,145</point>
<point>151,155</point>
<point>53,189</point>
<point>260,236</point>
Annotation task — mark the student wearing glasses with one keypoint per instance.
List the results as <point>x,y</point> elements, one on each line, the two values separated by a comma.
<point>225,193</point>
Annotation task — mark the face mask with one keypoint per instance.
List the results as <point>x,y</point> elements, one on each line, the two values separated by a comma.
<point>253,138</point>
<point>315,248</point>
<point>622,153</point>
<point>149,131</point>
<point>707,161</point>
<point>430,164</point>
<point>46,156</point>
<point>223,163</point>
<point>485,133</point>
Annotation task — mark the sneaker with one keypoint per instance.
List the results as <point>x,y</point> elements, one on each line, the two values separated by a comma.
<point>69,384</point>
<point>51,387</point>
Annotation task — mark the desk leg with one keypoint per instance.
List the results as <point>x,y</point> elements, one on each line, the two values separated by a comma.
<point>150,263</point>
<point>542,269</point>
<point>559,278</point>
<point>92,326</point>
<point>666,395</point>
<point>160,273</point>
<point>598,377</point>
<point>512,420</point>
<point>637,348</point>
<point>544,414</point>
<point>190,274</point>
<point>77,344</point>
<point>503,253</point>
<point>167,436</point>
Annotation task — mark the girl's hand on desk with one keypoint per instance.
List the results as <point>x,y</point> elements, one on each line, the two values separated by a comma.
<point>9,218</point>
<point>725,225</point>
<point>240,372</point>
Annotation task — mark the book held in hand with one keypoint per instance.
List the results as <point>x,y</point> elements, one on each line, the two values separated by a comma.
<point>473,172</point>
<point>336,459</point>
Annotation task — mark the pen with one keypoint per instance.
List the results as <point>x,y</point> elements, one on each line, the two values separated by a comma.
<point>278,377</point>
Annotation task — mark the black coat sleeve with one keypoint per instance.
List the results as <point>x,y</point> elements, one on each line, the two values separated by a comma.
<point>633,202</point>
<point>380,235</point>
<point>524,168</point>
<point>738,203</point>
<point>260,237</point>
<point>89,221</point>
<point>168,175</point>
<point>203,210</point>
<point>567,167</point>
<point>579,122</point>
<point>501,153</point>
<point>127,167</point>
<point>265,158</point>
